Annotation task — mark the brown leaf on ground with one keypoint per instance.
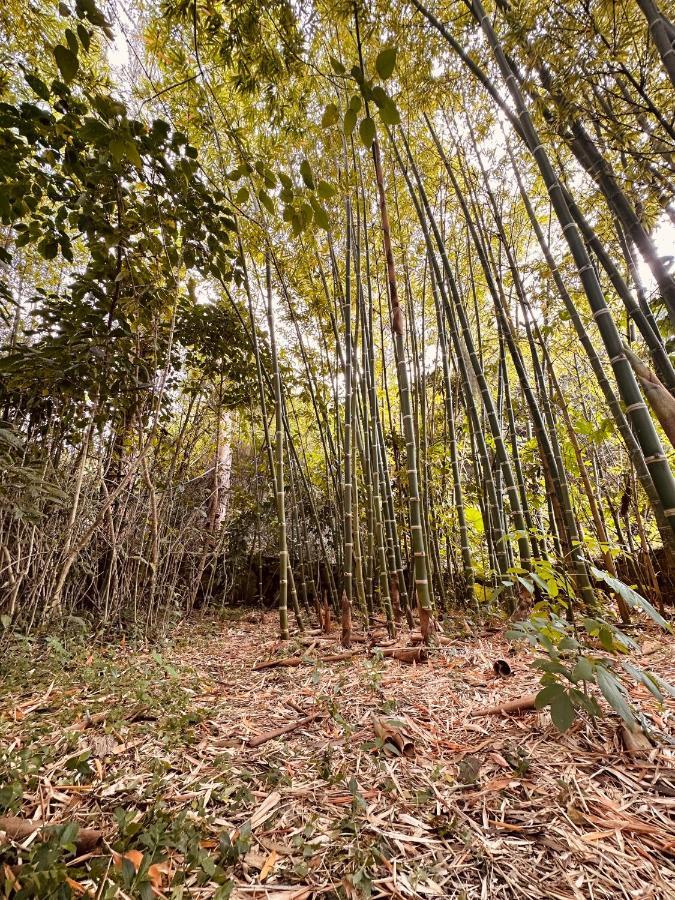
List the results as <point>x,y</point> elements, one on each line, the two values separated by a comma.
<point>396,742</point>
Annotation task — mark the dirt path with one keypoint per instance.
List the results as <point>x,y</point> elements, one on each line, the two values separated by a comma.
<point>151,747</point>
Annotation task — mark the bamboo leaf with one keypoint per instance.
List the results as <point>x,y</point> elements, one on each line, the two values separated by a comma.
<point>632,598</point>
<point>645,678</point>
<point>613,694</point>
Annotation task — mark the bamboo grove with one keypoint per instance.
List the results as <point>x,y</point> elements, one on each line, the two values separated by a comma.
<point>365,309</point>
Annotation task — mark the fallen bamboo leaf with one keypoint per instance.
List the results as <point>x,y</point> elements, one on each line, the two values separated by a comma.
<point>270,863</point>
<point>265,809</point>
<point>159,873</point>
<point>593,836</point>
<point>11,879</point>
<point>75,886</point>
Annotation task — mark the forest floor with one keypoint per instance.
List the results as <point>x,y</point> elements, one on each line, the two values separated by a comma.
<point>153,747</point>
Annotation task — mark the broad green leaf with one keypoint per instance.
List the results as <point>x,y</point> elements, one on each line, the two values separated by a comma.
<point>563,713</point>
<point>266,201</point>
<point>330,116</point>
<point>48,247</point>
<point>67,62</point>
<point>94,130</point>
<point>613,693</point>
<point>538,580</point>
<point>389,113</point>
<point>337,66</point>
<point>73,45</point>
<point>583,670</point>
<point>568,643</point>
<point>38,85</point>
<point>367,132</point>
<point>551,665</point>
<point>320,214</point>
<point>349,122</point>
<point>306,173</point>
<point>548,694</point>
<point>379,96</point>
<point>132,154</point>
<point>386,62</point>
<point>84,36</point>
<point>526,583</point>
<point>585,701</point>
<point>326,190</point>
<point>606,638</point>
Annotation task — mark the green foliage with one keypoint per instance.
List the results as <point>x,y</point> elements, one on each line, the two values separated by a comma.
<point>123,203</point>
<point>386,62</point>
<point>573,664</point>
<point>367,132</point>
<point>330,116</point>
<point>66,60</point>
<point>632,598</point>
<point>368,92</point>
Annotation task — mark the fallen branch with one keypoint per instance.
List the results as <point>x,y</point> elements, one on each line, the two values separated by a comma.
<point>508,706</point>
<point>290,661</point>
<point>284,729</point>
<point>404,654</point>
<point>287,661</point>
<point>19,829</point>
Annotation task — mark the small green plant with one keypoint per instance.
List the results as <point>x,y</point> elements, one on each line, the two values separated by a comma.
<point>576,661</point>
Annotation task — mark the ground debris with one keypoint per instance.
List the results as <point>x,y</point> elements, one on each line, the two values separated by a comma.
<point>382,782</point>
